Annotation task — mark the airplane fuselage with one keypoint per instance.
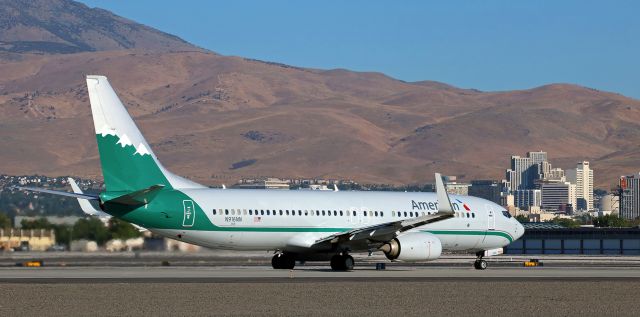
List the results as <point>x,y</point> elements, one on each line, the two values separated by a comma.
<point>245,219</point>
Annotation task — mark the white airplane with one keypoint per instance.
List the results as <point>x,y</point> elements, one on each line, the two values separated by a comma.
<point>296,225</point>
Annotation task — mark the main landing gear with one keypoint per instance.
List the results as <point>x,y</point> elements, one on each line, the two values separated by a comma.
<point>342,262</point>
<point>283,261</point>
<point>480,264</point>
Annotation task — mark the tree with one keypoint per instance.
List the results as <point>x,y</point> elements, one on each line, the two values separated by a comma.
<point>91,229</point>
<point>120,229</point>
<point>565,222</point>
<point>39,223</point>
<point>5,221</point>
<point>522,218</point>
<point>611,221</point>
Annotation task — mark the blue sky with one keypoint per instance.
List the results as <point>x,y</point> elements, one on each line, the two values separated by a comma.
<point>487,45</point>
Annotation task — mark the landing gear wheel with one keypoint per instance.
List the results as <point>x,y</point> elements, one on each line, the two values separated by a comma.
<point>342,262</point>
<point>348,262</point>
<point>283,261</point>
<point>480,264</point>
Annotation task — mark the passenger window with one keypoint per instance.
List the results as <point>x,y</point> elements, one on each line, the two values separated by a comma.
<point>382,214</point>
<point>393,213</point>
<point>323,212</point>
<point>365,213</point>
<point>473,215</point>
<point>261,212</point>
<point>250,212</point>
<point>340,212</point>
<point>376,213</point>
<point>299,212</point>
<point>226,211</point>
<point>335,213</point>
<point>354,213</point>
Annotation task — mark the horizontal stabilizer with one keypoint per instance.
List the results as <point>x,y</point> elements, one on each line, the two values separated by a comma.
<point>139,197</point>
<point>61,193</point>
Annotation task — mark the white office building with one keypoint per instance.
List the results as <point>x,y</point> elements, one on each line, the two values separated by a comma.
<point>582,178</point>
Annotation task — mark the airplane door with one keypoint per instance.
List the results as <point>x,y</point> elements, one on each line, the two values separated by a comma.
<point>189,213</point>
<point>491,218</point>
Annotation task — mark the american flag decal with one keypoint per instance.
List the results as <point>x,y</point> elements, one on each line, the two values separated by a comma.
<point>464,205</point>
<point>257,219</point>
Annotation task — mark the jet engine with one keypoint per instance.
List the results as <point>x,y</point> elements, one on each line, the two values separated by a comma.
<point>413,246</point>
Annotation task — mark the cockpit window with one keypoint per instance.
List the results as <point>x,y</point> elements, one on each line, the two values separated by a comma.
<point>506,213</point>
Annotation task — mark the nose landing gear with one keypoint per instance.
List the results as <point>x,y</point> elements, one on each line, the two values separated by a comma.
<point>480,264</point>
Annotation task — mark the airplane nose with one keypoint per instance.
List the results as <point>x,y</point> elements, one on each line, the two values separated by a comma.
<point>519,230</point>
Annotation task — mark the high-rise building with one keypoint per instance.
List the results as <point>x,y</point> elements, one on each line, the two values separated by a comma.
<point>520,175</point>
<point>582,178</point>
<point>525,198</point>
<point>487,189</point>
<point>555,174</point>
<point>525,170</point>
<point>537,157</point>
<point>630,196</point>
<point>558,196</point>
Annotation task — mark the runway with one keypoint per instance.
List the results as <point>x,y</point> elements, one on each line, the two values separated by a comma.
<point>308,290</point>
<point>227,274</point>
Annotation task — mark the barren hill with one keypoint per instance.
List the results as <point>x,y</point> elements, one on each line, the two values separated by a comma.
<point>63,26</point>
<point>216,118</point>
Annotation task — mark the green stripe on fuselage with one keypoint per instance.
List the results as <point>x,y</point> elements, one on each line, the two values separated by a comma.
<point>473,233</point>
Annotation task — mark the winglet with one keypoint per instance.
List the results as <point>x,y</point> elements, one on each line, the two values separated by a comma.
<point>444,203</point>
<point>85,205</point>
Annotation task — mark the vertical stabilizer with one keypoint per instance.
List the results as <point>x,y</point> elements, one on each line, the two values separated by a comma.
<point>128,163</point>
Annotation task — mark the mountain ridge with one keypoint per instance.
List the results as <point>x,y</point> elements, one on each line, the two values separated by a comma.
<point>206,116</point>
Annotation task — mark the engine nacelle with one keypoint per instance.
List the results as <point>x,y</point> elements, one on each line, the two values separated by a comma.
<point>414,246</point>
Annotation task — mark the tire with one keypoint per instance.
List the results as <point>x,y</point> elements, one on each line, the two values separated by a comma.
<point>342,262</point>
<point>348,262</point>
<point>283,261</point>
<point>288,262</point>
<point>336,263</point>
<point>276,261</point>
<point>480,265</point>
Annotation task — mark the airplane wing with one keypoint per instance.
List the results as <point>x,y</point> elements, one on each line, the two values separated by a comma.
<point>386,231</point>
